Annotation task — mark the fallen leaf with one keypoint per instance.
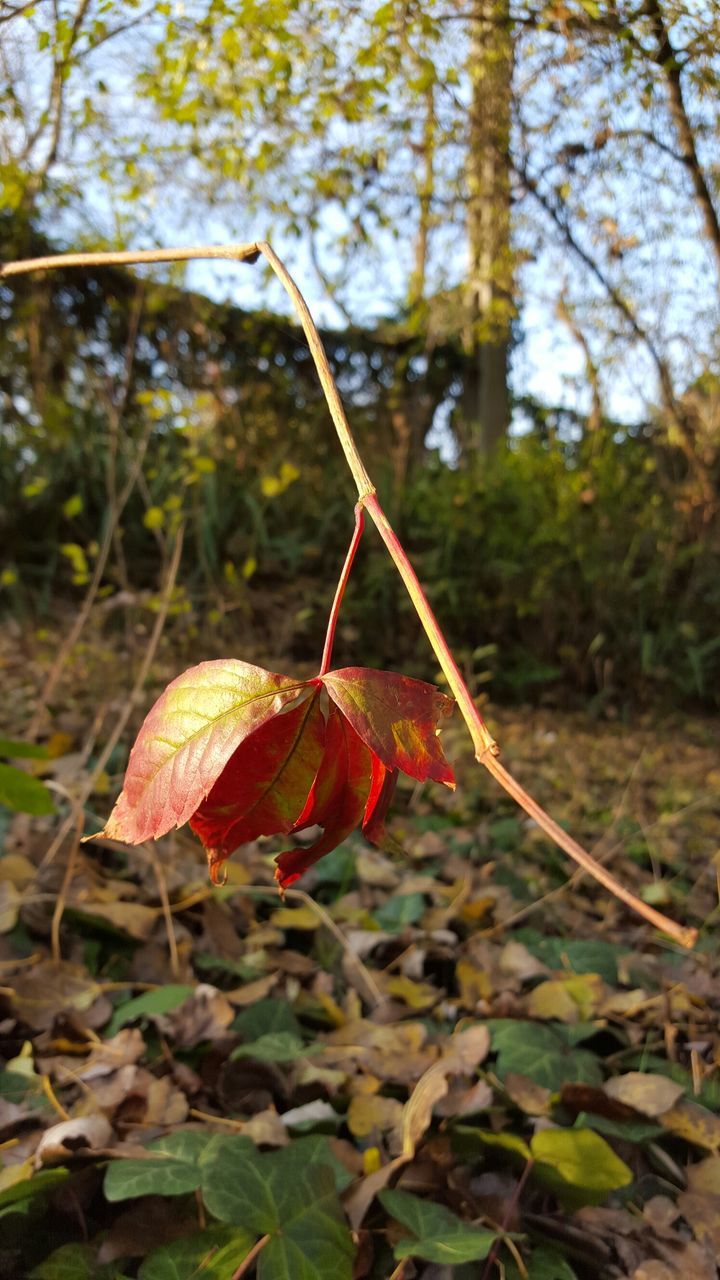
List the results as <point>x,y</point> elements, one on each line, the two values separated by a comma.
<point>534,1099</point>
<point>465,1050</point>
<point>41,993</point>
<point>649,1094</point>
<point>206,1014</point>
<point>82,1134</point>
<point>694,1123</point>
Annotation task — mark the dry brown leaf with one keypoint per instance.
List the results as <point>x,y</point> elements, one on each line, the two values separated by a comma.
<point>467,1101</point>
<point>10,903</point>
<point>533,1099</point>
<point>571,1000</point>
<point>124,1048</point>
<point>48,989</point>
<point>358,1198</point>
<point>474,984</point>
<point>395,1051</point>
<point>705,1176</point>
<point>252,991</point>
<point>702,1211</point>
<point>205,1015</point>
<point>132,918</point>
<point>81,1134</point>
<point>266,1129</point>
<point>376,870</point>
<point>517,962</point>
<point>372,1114</point>
<point>694,1123</point>
<point>649,1094</point>
<point>416,995</point>
<point>465,1050</point>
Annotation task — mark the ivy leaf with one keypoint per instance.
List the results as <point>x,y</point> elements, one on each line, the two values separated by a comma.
<point>170,1168</point>
<point>288,1197</point>
<point>23,793</point>
<point>187,739</point>
<point>162,1000</point>
<point>578,1159</point>
<point>213,1254</point>
<point>437,1234</point>
<point>536,1051</point>
<point>11,749</point>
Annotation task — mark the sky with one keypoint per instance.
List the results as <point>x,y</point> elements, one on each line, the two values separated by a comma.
<point>670,267</point>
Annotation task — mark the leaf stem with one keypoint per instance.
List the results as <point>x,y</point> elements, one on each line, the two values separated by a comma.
<point>486,749</point>
<point>340,590</point>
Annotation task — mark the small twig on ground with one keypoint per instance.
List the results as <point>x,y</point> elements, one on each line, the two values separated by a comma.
<point>87,789</point>
<point>130,703</point>
<point>247,1262</point>
<point>167,913</point>
<point>65,886</point>
<point>507,1219</point>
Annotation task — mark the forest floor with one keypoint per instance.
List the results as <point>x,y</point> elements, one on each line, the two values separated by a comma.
<point>466,1061</point>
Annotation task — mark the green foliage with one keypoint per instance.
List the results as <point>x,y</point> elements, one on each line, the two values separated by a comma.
<point>162,1000</point>
<point>542,1053</point>
<point>214,1254</point>
<point>580,1161</point>
<point>18,790</point>
<point>171,1167</point>
<point>287,1196</point>
<point>23,793</point>
<point>73,1262</point>
<point>437,1234</point>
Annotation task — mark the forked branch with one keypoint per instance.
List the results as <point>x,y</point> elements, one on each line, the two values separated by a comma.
<point>486,750</point>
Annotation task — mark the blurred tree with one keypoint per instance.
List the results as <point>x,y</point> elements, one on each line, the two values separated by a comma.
<point>448,161</point>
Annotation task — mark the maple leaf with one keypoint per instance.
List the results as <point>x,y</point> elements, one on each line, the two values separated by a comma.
<point>240,752</point>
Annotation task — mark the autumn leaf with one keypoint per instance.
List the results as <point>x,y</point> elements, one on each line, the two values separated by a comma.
<point>240,752</point>
<point>188,737</point>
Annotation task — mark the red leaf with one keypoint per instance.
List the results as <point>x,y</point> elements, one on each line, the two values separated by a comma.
<point>187,739</point>
<point>376,811</point>
<point>263,787</point>
<point>337,800</point>
<point>396,717</point>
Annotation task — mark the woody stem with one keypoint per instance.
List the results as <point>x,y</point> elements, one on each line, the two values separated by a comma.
<point>486,750</point>
<point>340,589</point>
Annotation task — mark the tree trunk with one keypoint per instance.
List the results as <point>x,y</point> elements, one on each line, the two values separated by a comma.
<point>489,310</point>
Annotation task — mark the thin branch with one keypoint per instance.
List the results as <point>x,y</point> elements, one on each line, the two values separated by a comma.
<point>486,749</point>
<point>247,1262</point>
<point>89,786</point>
<point>167,913</point>
<point>666,59</point>
<point>340,590</point>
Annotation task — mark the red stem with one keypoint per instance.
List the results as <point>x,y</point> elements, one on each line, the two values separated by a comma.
<point>481,736</point>
<point>340,591</point>
<point>486,750</point>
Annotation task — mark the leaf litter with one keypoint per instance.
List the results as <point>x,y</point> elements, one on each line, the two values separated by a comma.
<point>432,1063</point>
